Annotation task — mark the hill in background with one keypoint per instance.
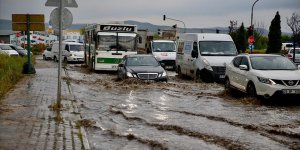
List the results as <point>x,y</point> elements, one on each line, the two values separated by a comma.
<point>6,25</point>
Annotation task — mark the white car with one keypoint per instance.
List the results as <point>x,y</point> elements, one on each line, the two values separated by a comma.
<point>290,54</point>
<point>6,49</point>
<point>47,54</point>
<point>264,75</point>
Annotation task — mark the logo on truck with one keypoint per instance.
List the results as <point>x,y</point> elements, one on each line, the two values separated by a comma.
<point>117,28</point>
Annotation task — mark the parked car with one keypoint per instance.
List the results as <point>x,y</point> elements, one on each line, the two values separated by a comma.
<point>47,54</point>
<point>290,54</point>
<point>263,75</point>
<point>6,49</point>
<point>144,67</point>
<point>20,50</point>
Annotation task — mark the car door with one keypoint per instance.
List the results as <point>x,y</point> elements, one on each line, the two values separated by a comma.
<point>186,57</point>
<point>233,71</point>
<point>243,74</point>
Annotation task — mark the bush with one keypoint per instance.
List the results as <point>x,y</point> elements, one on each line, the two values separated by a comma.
<point>38,49</point>
<point>10,72</point>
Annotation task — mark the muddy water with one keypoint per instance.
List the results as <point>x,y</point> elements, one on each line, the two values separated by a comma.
<point>180,114</point>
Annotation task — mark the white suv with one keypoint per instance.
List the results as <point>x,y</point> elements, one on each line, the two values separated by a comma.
<point>263,75</point>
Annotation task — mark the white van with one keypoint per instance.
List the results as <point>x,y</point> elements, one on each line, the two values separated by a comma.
<point>71,51</point>
<point>204,55</point>
<point>165,52</point>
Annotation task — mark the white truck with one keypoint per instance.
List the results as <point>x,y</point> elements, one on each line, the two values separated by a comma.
<point>204,55</point>
<point>162,47</point>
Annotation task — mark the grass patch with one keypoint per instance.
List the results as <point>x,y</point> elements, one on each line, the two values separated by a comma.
<point>10,72</point>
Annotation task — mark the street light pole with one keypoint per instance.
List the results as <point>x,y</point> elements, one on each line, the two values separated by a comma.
<point>251,49</point>
<point>176,20</point>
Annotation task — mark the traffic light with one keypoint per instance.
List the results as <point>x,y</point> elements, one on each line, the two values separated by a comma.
<point>250,30</point>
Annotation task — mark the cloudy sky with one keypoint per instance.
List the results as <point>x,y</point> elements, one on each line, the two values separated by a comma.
<point>194,13</point>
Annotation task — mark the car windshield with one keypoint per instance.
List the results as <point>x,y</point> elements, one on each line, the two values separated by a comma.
<point>163,47</point>
<point>272,63</point>
<point>76,48</point>
<point>5,47</point>
<point>141,61</point>
<point>19,48</point>
<point>217,48</point>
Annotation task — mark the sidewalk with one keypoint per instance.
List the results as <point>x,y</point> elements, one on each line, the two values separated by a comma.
<point>27,122</point>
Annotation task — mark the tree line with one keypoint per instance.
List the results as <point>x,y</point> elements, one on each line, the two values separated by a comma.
<point>268,44</point>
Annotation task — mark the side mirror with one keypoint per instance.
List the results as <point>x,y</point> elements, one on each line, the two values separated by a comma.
<point>244,67</point>
<point>194,54</point>
<point>121,65</point>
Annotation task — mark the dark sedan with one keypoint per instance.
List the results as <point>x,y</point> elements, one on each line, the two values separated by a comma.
<point>144,67</point>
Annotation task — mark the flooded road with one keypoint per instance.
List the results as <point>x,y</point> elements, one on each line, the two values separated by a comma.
<point>180,114</point>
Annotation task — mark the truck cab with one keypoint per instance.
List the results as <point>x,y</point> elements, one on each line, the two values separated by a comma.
<point>164,51</point>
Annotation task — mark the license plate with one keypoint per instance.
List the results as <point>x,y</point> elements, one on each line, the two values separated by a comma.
<point>222,76</point>
<point>291,91</point>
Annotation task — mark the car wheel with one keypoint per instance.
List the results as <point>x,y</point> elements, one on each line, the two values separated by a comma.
<point>44,57</point>
<point>65,60</point>
<point>227,85</point>
<point>251,91</point>
<point>179,71</point>
<point>55,59</point>
<point>205,76</point>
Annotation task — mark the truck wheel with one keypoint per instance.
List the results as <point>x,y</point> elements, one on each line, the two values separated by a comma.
<point>55,59</point>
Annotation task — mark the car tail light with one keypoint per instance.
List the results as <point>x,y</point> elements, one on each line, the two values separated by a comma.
<point>290,56</point>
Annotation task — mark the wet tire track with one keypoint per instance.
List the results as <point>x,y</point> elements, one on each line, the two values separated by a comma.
<point>270,133</point>
<point>226,143</point>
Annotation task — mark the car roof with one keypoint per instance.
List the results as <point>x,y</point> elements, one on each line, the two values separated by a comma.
<point>251,55</point>
<point>140,55</point>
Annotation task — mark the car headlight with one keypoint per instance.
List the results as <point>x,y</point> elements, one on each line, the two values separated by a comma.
<point>266,80</point>
<point>207,65</point>
<point>129,74</point>
<point>164,74</point>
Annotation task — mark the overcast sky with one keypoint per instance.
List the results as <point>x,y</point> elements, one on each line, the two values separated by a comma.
<point>194,13</point>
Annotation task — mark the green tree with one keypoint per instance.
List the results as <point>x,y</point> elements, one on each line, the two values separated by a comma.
<point>286,38</point>
<point>241,39</point>
<point>274,43</point>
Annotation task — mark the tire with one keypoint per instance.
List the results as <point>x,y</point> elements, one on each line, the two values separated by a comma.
<point>227,85</point>
<point>178,70</point>
<point>251,91</point>
<point>198,75</point>
<point>65,60</point>
<point>55,59</point>
<point>44,57</point>
<point>205,76</point>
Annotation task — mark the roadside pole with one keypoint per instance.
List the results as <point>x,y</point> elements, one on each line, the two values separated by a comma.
<point>60,55</point>
<point>28,43</point>
<point>60,24</point>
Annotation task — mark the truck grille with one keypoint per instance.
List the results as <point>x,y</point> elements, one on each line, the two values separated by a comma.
<point>168,62</point>
<point>219,70</point>
<point>147,76</point>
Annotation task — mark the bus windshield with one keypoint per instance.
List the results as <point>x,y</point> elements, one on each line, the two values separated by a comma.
<point>117,42</point>
<point>217,48</point>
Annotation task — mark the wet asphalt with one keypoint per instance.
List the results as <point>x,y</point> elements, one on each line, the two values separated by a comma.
<point>182,114</point>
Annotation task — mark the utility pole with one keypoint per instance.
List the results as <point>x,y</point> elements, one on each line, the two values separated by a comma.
<point>251,25</point>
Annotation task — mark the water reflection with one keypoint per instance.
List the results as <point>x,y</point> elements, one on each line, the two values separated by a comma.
<point>161,115</point>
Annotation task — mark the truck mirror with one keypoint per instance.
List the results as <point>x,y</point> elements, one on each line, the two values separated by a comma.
<point>194,54</point>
